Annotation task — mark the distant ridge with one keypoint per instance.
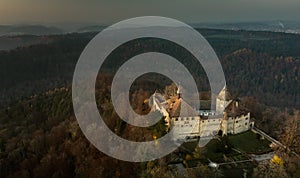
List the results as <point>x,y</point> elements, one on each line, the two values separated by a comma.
<point>11,30</point>
<point>92,28</point>
<point>272,26</point>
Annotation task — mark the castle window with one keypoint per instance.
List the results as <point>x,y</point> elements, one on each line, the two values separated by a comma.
<point>236,121</point>
<point>193,118</point>
<point>246,118</point>
<point>246,123</point>
<point>182,119</point>
<point>187,119</point>
<point>202,121</point>
<point>176,119</point>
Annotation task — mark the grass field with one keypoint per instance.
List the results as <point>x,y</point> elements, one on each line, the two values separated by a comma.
<point>249,142</point>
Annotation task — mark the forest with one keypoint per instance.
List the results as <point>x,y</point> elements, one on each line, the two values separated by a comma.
<point>40,137</point>
<point>264,65</point>
<point>39,134</point>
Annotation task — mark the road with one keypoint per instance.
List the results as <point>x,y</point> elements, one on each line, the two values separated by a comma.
<point>268,137</point>
<point>263,157</point>
<point>274,141</point>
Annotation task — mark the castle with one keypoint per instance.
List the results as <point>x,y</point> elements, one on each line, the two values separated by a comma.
<point>228,118</point>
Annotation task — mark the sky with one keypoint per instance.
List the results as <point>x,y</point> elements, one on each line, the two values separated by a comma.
<point>111,11</point>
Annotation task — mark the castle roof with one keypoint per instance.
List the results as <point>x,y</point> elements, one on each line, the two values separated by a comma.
<point>178,107</point>
<point>234,109</point>
<point>224,94</point>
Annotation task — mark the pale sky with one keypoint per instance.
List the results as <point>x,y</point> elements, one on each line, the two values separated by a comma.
<point>110,11</point>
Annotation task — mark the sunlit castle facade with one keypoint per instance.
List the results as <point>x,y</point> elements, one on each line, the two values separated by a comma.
<point>222,100</point>
<point>228,118</point>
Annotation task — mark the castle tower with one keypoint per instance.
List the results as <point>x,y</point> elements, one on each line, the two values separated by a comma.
<point>222,100</point>
<point>224,124</point>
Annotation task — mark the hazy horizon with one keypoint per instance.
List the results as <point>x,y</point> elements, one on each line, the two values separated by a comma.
<point>79,12</point>
<point>74,26</point>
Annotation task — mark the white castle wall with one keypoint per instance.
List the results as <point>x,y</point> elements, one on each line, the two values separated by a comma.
<point>237,125</point>
<point>183,127</point>
<point>210,127</point>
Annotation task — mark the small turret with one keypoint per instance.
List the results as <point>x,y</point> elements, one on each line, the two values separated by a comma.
<point>179,92</point>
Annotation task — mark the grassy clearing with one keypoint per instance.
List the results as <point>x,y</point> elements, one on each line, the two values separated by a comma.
<point>249,142</point>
